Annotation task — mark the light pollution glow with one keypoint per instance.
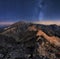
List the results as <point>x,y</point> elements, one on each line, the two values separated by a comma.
<point>48,22</point>
<point>36,22</point>
<point>6,23</point>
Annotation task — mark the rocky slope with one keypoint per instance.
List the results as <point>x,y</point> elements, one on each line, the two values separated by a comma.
<point>18,42</point>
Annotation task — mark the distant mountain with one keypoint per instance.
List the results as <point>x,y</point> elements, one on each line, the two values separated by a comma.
<point>2,27</point>
<point>20,41</point>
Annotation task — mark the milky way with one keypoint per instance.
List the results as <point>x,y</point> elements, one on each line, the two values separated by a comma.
<point>41,6</point>
<point>29,10</point>
<point>41,12</point>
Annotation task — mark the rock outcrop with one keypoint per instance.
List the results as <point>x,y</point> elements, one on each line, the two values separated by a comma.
<point>20,41</point>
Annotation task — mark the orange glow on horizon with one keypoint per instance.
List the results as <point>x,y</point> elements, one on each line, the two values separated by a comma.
<point>36,22</point>
<point>48,22</point>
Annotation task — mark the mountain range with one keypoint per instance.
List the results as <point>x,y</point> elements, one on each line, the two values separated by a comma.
<point>20,41</point>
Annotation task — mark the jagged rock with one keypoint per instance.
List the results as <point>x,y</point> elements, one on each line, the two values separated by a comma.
<point>18,42</point>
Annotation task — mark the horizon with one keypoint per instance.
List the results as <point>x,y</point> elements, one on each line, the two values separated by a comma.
<point>36,22</point>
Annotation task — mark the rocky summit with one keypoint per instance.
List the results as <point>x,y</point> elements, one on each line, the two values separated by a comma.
<point>24,40</point>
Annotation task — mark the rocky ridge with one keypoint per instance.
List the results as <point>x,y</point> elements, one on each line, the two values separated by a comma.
<point>19,42</point>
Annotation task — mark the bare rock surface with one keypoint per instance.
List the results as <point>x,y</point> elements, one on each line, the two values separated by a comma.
<point>19,42</point>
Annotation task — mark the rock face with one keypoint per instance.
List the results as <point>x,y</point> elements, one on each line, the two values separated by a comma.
<point>19,42</point>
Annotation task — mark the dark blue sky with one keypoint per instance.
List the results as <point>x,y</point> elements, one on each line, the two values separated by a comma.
<point>34,10</point>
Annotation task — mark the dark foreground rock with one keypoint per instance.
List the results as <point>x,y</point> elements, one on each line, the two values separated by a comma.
<point>17,42</point>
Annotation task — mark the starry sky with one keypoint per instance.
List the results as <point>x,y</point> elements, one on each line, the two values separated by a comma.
<point>29,10</point>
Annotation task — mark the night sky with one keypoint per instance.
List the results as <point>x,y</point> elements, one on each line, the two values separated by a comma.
<point>29,10</point>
